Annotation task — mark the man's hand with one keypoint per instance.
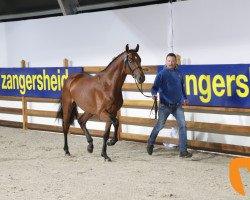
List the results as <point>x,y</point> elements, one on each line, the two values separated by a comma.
<point>154,97</point>
<point>186,102</point>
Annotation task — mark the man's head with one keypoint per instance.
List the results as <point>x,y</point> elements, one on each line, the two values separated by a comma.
<point>171,61</point>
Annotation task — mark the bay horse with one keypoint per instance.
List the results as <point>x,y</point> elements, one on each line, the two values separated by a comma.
<point>99,95</point>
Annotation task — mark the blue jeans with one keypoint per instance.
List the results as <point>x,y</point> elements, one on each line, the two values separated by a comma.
<point>178,113</point>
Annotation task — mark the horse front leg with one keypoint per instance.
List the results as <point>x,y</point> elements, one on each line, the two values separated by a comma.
<point>105,139</point>
<point>115,123</point>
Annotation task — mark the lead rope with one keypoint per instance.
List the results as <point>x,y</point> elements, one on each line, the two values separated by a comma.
<point>155,105</point>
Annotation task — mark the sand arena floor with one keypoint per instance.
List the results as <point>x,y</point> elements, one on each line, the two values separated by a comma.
<point>33,166</point>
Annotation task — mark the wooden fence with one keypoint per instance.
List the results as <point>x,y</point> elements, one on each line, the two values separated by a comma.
<point>205,127</point>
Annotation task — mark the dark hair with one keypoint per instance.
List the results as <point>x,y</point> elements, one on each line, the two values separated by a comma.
<point>171,55</point>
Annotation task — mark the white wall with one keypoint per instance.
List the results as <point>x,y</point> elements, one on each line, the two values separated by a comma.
<point>212,31</point>
<point>89,39</point>
<point>3,47</point>
<point>205,32</point>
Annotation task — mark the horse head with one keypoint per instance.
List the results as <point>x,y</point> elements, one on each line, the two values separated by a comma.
<point>133,64</point>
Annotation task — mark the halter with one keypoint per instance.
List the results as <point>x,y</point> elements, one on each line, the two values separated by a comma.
<point>126,60</point>
<point>155,106</point>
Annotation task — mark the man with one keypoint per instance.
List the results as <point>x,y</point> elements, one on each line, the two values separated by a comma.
<point>170,85</point>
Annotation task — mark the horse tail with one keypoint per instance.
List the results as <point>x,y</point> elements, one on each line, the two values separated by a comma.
<point>73,115</point>
<point>59,114</point>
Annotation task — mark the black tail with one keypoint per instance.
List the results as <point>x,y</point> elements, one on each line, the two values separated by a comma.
<point>73,115</point>
<point>59,114</point>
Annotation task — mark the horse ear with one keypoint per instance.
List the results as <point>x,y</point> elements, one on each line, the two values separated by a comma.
<point>127,48</point>
<point>137,48</point>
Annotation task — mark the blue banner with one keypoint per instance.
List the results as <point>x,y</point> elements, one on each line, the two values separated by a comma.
<point>34,82</point>
<point>217,85</point>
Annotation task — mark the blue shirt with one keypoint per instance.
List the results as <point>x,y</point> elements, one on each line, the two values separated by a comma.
<point>170,85</point>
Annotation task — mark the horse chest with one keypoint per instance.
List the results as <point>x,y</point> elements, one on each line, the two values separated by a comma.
<point>113,104</point>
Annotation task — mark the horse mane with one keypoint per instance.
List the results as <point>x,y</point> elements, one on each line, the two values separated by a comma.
<point>131,50</point>
<point>113,61</point>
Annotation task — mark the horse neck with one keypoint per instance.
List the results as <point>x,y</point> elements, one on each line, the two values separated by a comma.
<point>114,75</point>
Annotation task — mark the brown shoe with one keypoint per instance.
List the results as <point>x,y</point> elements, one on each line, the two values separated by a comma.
<point>185,154</point>
<point>150,148</point>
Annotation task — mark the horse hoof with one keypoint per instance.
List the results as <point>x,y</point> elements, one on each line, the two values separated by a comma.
<point>106,157</point>
<point>111,142</point>
<point>90,148</point>
<point>109,160</point>
<point>67,154</point>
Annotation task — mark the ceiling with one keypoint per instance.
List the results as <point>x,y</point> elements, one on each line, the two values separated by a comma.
<point>14,10</point>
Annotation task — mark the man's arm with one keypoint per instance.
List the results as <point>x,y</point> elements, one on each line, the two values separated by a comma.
<point>156,85</point>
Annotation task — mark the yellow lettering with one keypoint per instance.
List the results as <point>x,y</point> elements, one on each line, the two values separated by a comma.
<point>39,79</point>
<point>22,84</point>
<point>53,83</point>
<point>15,82</point>
<point>46,77</point>
<point>34,81</point>
<point>241,85</point>
<point>205,91</point>
<point>59,80</point>
<point>4,86</point>
<point>190,78</point>
<point>229,79</point>
<point>218,82</point>
<point>28,82</point>
<point>64,77</point>
<point>9,82</point>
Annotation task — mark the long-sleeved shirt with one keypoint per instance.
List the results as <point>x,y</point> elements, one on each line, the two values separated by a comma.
<point>170,85</point>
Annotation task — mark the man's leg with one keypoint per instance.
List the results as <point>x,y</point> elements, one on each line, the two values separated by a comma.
<point>179,115</point>
<point>163,113</point>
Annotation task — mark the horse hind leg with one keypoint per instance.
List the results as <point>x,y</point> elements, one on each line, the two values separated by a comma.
<point>65,133</point>
<point>69,113</point>
<point>82,122</point>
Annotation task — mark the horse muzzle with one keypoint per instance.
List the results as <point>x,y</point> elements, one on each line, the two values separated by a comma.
<point>140,78</point>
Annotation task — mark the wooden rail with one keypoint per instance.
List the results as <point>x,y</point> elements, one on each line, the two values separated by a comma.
<point>223,129</point>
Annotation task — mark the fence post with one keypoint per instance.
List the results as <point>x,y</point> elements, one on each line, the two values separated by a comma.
<point>178,59</point>
<point>119,131</point>
<point>24,102</point>
<point>65,62</point>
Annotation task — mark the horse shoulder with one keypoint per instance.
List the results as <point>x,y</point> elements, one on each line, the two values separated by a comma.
<point>103,85</point>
